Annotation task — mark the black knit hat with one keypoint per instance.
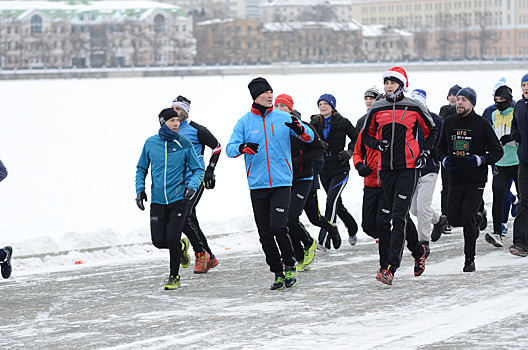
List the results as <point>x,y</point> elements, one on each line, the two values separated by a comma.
<point>167,114</point>
<point>504,92</point>
<point>257,86</point>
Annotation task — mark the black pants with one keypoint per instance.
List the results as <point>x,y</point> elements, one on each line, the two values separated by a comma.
<point>374,218</point>
<point>520,225</point>
<point>311,209</point>
<point>166,225</point>
<point>445,190</point>
<point>464,203</point>
<point>501,184</point>
<point>333,186</point>
<point>398,186</point>
<point>298,234</point>
<point>193,231</point>
<point>270,209</point>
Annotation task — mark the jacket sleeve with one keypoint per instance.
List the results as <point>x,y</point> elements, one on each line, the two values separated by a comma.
<point>237,138</point>
<point>428,126</point>
<point>196,168</point>
<point>494,150</point>
<point>357,156</point>
<point>308,135</point>
<point>369,131</point>
<point>3,171</point>
<point>142,169</point>
<point>515,134</point>
<point>352,133</point>
<point>315,149</point>
<point>442,142</point>
<point>207,138</point>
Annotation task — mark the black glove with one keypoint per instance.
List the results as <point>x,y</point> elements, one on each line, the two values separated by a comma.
<point>447,164</point>
<point>422,158</point>
<point>141,196</point>
<point>344,156</point>
<point>189,193</point>
<point>295,125</point>
<point>505,139</point>
<point>209,178</point>
<point>249,148</point>
<point>475,161</point>
<point>383,145</point>
<point>363,170</point>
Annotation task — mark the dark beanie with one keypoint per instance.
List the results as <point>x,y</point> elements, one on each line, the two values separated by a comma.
<point>257,86</point>
<point>454,90</point>
<point>166,114</point>
<point>504,92</point>
<point>468,93</point>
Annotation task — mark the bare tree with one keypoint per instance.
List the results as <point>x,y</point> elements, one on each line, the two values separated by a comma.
<point>485,36</point>
<point>444,34</point>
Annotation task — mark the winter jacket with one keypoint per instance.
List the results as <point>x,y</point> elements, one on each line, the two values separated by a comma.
<point>340,128</point>
<point>519,128</point>
<point>168,161</point>
<point>432,165</point>
<point>304,154</point>
<point>462,137</point>
<point>397,122</point>
<point>271,165</point>
<point>370,158</point>
<point>3,171</point>
<point>502,122</point>
<point>447,111</point>
<point>200,137</point>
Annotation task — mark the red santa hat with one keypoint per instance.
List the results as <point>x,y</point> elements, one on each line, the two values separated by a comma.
<point>398,73</point>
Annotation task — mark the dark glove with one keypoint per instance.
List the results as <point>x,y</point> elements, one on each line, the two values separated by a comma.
<point>141,196</point>
<point>476,161</point>
<point>209,178</point>
<point>189,193</point>
<point>295,125</point>
<point>344,156</point>
<point>505,139</point>
<point>363,170</point>
<point>248,148</point>
<point>446,163</point>
<point>383,145</point>
<point>422,158</point>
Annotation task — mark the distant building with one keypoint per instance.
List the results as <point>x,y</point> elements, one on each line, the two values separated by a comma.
<point>58,34</point>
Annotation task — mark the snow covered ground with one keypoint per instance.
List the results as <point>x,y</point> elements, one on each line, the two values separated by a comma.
<point>67,207</point>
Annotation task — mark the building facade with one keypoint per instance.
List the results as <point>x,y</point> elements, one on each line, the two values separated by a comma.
<point>41,34</point>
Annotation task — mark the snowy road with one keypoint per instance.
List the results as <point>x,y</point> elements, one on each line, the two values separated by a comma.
<point>337,304</point>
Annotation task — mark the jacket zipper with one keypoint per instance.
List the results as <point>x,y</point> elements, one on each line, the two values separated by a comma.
<point>392,134</point>
<point>267,155</point>
<point>165,176</point>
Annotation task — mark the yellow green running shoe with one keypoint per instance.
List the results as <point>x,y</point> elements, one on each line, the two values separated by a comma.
<point>172,283</point>
<point>185,258</point>
<point>290,276</point>
<point>279,281</point>
<point>309,255</point>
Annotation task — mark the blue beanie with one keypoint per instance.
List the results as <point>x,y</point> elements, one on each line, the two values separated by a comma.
<point>468,93</point>
<point>454,89</point>
<point>328,98</point>
<point>524,79</point>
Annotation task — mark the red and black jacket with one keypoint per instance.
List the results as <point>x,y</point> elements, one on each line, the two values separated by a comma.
<point>397,121</point>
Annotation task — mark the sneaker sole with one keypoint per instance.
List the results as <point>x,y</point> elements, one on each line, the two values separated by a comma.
<point>514,251</point>
<point>491,240</point>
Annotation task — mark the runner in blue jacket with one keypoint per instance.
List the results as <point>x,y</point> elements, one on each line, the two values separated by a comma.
<point>263,136</point>
<point>168,154</point>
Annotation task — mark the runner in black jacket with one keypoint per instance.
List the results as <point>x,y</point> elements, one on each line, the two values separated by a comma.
<point>334,129</point>
<point>466,147</point>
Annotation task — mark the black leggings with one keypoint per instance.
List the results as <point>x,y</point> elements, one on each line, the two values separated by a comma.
<point>333,186</point>
<point>299,236</point>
